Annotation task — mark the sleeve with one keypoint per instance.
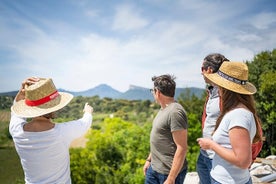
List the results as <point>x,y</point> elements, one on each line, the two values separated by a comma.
<point>240,119</point>
<point>74,129</point>
<point>178,120</point>
<point>16,124</point>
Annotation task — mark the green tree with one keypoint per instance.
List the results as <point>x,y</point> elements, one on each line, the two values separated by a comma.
<point>115,153</point>
<point>262,73</point>
<point>193,106</point>
<point>5,102</point>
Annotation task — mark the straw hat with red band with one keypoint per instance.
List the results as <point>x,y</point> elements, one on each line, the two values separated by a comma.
<point>234,77</point>
<point>41,98</point>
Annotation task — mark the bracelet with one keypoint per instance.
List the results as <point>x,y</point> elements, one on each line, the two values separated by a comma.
<point>148,160</point>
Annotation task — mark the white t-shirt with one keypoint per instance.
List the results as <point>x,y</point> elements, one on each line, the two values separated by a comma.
<point>223,171</point>
<point>45,155</point>
<point>212,110</point>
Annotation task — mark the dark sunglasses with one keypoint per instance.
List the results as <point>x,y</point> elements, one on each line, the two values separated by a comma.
<point>152,90</point>
<point>203,69</point>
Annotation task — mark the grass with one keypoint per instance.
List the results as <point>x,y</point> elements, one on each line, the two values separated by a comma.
<point>10,167</point>
<point>11,171</point>
<point>4,115</point>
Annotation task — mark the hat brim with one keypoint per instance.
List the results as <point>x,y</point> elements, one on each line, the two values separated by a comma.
<point>247,88</point>
<point>22,110</point>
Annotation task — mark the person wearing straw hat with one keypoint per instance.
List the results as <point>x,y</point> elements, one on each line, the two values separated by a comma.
<point>237,125</point>
<point>43,146</point>
<point>211,111</point>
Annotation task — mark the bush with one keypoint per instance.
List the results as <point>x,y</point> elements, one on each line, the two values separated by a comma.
<point>115,153</point>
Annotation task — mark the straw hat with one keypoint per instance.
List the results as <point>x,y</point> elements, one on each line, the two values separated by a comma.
<point>233,76</point>
<point>41,98</point>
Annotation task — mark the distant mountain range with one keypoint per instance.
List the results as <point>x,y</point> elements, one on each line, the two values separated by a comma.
<point>133,93</point>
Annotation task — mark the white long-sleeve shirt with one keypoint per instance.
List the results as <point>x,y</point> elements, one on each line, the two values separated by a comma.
<point>45,155</point>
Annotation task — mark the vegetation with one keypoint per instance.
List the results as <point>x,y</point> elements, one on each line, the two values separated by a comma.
<point>10,168</point>
<point>116,154</point>
<point>263,75</point>
<point>118,142</point>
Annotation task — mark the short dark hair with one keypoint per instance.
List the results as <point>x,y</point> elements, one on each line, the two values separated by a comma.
<point>214,61</point>
<point>165,84</point>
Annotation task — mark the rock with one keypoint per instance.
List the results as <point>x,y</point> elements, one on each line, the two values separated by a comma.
<point>191,178</point>
<point>261,171</point>
<point>264,170</point>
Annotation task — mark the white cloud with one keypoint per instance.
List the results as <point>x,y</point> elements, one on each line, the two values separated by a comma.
<point>264,20</point>
<point>92,13</point>
<point>128,18</point>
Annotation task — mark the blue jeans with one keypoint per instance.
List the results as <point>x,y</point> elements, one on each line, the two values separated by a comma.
<point>216,182</point>
<point>153,177</point>
<point>203,168</point>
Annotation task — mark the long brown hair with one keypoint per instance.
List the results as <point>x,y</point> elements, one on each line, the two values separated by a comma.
<point>229,101</point>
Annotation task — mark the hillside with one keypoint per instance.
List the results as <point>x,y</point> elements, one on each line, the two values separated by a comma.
<point>133,93</point>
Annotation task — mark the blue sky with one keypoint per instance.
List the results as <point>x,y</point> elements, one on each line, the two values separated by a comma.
<point>84,43</point>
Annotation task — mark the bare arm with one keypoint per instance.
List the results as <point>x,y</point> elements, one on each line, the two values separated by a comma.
<point>240,154</point>
<point>180,139</point>
<point>241,145</point>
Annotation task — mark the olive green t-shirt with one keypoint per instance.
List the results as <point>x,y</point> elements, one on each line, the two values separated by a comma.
<point>162,146</point>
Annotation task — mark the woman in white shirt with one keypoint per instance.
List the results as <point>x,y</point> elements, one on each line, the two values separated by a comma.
<point>43,146</point>
<point>236,128</point>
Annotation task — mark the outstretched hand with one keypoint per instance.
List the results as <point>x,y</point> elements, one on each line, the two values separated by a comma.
<point>87,108</point>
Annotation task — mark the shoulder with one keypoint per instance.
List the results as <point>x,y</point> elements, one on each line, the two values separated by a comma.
<point>240,117</point>
<point>177,106</point>
<point>240,112</point>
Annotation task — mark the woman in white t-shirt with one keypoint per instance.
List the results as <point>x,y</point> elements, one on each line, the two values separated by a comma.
<point>236,128</point>
<point>43,146</point>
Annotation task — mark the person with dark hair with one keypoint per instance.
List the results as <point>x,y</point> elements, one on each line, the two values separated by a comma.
<point>237,126</point>
<point>167,162</point>
<point>211,64</point>
<point>43,146</point>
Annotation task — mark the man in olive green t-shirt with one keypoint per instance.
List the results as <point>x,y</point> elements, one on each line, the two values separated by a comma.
<point>166,162</point>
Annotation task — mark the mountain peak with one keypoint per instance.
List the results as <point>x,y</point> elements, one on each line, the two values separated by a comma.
<point>134,87</point>
<point>103,86</point>
<point>133,93</point>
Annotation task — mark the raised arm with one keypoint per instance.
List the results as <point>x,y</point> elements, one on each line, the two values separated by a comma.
<point>21,93</point>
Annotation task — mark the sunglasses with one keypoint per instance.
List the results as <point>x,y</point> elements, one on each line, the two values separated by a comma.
<point>153,90</point>
<point>203,69</point>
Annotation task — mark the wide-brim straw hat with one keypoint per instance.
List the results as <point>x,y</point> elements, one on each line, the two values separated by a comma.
<point>234,77</point>
<point>41,98</point>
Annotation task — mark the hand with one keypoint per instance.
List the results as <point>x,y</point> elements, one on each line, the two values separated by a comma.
<point>27,82</point>
<point>205,143</point>
<point>87,108</point>
<point>169,181</point>
<point>145,168</point>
